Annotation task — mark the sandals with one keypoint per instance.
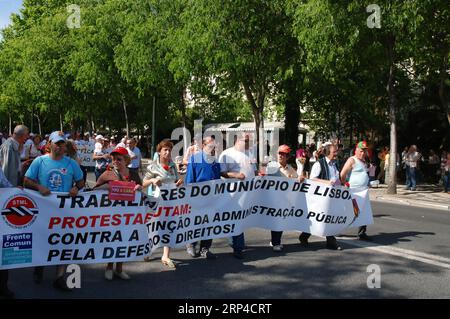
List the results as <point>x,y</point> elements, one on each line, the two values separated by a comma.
<point>168,263</point>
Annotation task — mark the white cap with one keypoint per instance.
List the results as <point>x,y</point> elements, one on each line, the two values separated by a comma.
<point>99,137</point>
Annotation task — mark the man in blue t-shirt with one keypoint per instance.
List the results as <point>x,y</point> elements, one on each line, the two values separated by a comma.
<point>203,167</point>
<point>54,173</point>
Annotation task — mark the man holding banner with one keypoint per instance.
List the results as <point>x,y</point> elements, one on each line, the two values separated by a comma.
<point>54,173</point>
<point>234,163</point>
<point>325,171</point>
<point>203,167</point>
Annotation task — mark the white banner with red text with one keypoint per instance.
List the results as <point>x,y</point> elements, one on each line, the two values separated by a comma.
<point>58,229</point>
<point>90,228</point>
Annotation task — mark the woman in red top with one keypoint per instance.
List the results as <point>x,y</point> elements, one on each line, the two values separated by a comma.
<point>118,172</point>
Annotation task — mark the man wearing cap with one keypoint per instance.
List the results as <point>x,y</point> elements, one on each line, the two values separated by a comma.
<point>325,171</point>
<point>54,172</point>
<point>356,166</point>
<point>281,169</point>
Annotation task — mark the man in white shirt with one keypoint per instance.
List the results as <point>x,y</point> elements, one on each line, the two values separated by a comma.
<point>135,155</point>
<point>412,157</point>
<point>325,171</point>
<point>235,163</point>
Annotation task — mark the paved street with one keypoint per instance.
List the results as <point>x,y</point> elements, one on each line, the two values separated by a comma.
<point>411,246</point>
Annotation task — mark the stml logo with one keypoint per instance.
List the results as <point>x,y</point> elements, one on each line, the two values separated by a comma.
<point>20,211</point>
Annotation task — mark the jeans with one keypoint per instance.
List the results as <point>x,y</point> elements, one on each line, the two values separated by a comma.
<point>276,237</point>
<point>238,243</point>
<point>447,182</point>
<point>411,177</point>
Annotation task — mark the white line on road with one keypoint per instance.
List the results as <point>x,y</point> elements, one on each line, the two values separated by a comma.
<point>405,253</point>
<point>390,218</point>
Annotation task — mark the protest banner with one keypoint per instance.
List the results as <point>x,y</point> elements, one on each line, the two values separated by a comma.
<point>59,229</point>
<point>224,208</point>
<point>91,228</point>
<point>85,153</point>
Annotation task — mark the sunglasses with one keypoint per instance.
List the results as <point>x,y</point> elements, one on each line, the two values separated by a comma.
<point>283,154</point>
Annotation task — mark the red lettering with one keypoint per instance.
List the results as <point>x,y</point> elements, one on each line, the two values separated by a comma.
<point>116,220</point>
<point>128,217</point>
<point>105,221</point>
<point>148,217</point>
<point>138,219</point>
<point>94,220</point>
<point>54,221</point>
<point>68,222</point>
<point>185,209</point>
<point>168,210</point>
<point>82,222</point>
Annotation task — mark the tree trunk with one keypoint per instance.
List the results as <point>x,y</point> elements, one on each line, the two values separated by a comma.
<point>61,122</point>
<point>124,104</point>
<point>183,107</point>
<point>257,109</point>
<point>39,124</point>
<point>392,186</point>
<point>291,114</point>
<point>32,119</point>
<point>10,123</point>
<point>443,76</point>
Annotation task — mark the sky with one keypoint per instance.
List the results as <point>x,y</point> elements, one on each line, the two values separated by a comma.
<point>6,8</point>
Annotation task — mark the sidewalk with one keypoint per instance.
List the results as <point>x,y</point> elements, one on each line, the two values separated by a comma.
<point>428,195</point>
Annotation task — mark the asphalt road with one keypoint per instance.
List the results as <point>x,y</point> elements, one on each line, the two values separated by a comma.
<point>411,247</point>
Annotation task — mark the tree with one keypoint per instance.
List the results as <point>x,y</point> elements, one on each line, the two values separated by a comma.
<point>238,45</point>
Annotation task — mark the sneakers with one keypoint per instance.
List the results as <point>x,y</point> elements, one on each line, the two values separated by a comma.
<point>191,251</point>
<point>205,253</point>
<point>277,248</point>
<point>109,274</point>
<point>122,275</point>
<point>238,254</point>
<point>365,237</point>
<point>60,284</point>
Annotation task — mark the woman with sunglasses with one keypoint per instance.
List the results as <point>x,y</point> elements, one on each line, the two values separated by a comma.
<point>118,171</point>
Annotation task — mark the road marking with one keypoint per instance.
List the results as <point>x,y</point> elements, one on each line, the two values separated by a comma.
<point>390,218</point>
<point>405,253</point>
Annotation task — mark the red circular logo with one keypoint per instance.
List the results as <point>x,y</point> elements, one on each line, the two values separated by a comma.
<point>19,211</point>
